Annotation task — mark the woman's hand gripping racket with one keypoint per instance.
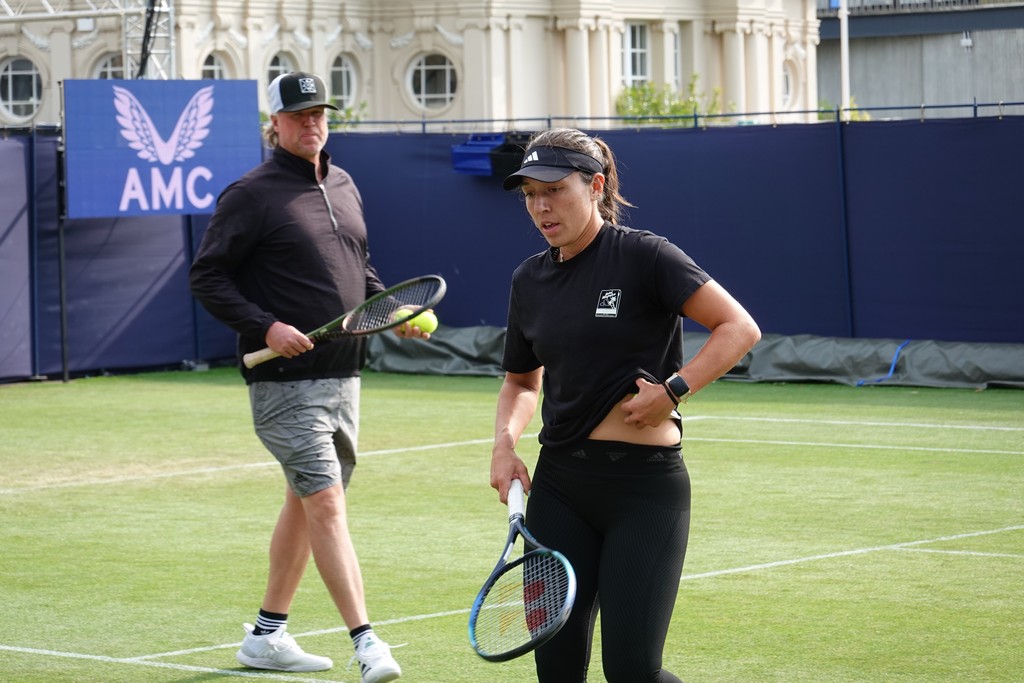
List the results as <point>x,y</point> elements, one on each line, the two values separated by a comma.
<point>376,314</point>
<point>524,602</point>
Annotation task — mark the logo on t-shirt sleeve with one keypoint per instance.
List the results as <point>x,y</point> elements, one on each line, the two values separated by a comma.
<point>608,303</point>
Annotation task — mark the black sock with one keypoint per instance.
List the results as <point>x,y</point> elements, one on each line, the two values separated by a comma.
<point>358,631</point>
<point>268,622</point>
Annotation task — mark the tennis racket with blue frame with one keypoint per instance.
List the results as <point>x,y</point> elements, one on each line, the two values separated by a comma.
<point>524,602</point>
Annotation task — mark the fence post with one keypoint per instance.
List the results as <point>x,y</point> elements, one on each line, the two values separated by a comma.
<point>844,226</point>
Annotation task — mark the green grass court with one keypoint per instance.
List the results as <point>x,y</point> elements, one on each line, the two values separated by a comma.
<point>839,534</point>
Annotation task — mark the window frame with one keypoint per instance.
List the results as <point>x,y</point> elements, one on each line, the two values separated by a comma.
<point>10,78</point>
<point>214,68</point>
<point>419,76</point>
<point>281,63</point>
<point>636,54</point>
<point>344,80</point>
<point>106,69</point>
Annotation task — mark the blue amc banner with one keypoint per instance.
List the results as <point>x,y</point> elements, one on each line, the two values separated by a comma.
<point>143,147</point>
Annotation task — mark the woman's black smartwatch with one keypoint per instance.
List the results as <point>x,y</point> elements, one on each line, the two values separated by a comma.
<point>678,387</point>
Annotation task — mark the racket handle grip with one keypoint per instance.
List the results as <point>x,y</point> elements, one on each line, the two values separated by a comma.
<point>253,359</point>
<point>516,500</point>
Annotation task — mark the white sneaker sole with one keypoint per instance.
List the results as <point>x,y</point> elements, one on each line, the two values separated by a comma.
<point>271,665</point>
<point>384,676</point>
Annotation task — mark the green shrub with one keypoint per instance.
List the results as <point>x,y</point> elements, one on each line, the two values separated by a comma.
<point>663,104</point>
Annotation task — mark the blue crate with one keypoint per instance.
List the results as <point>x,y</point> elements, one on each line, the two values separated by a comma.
<point>473,157</point>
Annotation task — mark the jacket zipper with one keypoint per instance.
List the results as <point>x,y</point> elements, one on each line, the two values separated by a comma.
<point>330,209</point>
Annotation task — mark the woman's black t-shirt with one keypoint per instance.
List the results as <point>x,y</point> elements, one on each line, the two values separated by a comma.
<point>597,322</point>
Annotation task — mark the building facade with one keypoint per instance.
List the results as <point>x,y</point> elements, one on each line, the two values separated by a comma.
<point>409,61</point>
<point>927,58</point>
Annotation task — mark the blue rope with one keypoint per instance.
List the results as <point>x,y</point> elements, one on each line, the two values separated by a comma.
<point>892,367</point>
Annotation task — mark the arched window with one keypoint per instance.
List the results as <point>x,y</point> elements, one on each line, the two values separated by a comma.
<point>343,82</point>
<point>790,84</point>
<point>21,88</point>
<point>280,64</point>
<point>433,81</point>
<point>214,68</point>
<point>110,66</point>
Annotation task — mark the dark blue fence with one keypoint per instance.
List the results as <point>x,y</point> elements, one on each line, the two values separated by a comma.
<point>904,229</point>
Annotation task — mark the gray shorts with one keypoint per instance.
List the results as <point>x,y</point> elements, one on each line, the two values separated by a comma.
<point>311,427</point>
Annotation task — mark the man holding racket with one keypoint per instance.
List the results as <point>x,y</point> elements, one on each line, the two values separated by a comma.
<point>594,321</point>
<point>286,250</point>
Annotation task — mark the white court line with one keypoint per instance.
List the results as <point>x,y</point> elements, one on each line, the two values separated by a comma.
<point>456,444</point>
<point>848,553</point>
<point>475,442</point>
<point>860,423</point>
<point>141,477</point>
<point>227,468</point>
<point>822,444</point>
<point>972,553</point>
<point>262,675</point>
<point>146,660</point>
<point>322,632</point>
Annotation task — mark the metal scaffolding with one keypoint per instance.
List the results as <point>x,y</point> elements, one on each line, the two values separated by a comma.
<point>149,40</point>
<point>147,28</point>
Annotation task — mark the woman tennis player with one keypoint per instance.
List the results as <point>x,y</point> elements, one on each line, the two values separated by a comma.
<point>594,321</point>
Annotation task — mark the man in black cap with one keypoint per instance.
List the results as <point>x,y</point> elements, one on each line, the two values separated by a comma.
<point>286,250</point>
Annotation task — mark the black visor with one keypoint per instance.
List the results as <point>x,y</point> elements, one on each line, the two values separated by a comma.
<point>550,164</point>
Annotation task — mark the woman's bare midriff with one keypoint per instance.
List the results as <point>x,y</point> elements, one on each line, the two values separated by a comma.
<point>614,428</point>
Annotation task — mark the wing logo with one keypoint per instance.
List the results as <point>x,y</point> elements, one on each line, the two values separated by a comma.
<point>139,130</point>
<point>168,186</point>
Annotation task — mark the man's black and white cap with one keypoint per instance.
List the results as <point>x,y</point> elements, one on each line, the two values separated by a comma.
<point>551,164</point>
<point>297,91</point>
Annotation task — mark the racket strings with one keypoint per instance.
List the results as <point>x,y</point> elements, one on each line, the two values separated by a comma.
<point>523,603</point>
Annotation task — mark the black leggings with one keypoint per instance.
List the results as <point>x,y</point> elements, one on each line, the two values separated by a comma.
<point>621,514</point>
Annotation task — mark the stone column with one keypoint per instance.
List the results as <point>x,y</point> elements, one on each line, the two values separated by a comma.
<point>758,69</point>
<point>733,68</point>
<point>601,98</point>
<point>485,70</point>
<point>517,77</point>
<point>691,55</point>
<point>577,66</point>
<point>663,54</point>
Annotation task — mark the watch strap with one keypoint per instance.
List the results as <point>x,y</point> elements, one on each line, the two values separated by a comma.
<point>677,388</point>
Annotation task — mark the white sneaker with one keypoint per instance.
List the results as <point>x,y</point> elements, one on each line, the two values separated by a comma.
<point>278,651</point>
<point>376,665</point>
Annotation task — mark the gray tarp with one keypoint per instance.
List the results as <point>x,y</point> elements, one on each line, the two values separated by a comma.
<point>777,358</point>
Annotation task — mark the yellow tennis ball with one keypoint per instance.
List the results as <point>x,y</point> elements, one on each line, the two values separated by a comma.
<point>426,321</point>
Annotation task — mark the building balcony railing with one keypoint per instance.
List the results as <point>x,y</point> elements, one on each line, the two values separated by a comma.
<point>920,112</point>
<point>829,8</point>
